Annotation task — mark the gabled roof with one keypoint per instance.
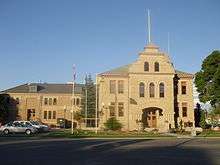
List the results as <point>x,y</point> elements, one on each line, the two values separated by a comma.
<point>124,70</point>
<point>183,74</point>
<point>47,88</point>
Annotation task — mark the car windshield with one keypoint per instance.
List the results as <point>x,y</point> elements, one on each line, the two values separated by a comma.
<point>9,124</point>
<point>27,124</point>
<point>34,122</point>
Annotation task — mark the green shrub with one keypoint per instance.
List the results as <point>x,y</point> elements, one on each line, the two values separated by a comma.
<point>113,124</point>
<point>202,122</point>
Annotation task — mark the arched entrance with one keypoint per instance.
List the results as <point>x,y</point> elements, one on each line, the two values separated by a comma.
<point>149,117</point>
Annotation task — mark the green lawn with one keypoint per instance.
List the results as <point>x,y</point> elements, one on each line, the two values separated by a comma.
<point>209,133</point>
<point>102,134</point>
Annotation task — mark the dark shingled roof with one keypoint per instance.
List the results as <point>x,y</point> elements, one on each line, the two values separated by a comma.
<point>47,88</point>
<point>124,70</point>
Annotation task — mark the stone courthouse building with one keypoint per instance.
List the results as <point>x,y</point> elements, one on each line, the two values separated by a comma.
<point>148,93</point>
<point>45,102</point>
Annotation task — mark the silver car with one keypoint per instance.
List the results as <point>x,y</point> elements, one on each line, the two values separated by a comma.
<point>39,126</point>
<point>16,127</point>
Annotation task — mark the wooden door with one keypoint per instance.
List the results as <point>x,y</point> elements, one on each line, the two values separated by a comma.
<point>152,119</point>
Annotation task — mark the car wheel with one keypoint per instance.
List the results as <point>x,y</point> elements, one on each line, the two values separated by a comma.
<point>28,132</point>
<point>6,131</point>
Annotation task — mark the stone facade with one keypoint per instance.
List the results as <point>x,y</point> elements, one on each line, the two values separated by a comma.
<point>47,103</point>
<point>153,94</point>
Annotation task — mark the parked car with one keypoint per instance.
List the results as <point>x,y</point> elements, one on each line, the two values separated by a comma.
<point>39,126</point>
<point>16,127</point>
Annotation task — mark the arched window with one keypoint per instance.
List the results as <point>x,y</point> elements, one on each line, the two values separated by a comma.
<point>141,89</point>
<point>146,66</point>
<point>156,67</point>
<point>151,90</point>
<point>161,87</point>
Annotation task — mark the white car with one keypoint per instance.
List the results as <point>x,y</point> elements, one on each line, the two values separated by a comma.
<point>39,126</point>
<point>42,127</point>
<point>16,127</point>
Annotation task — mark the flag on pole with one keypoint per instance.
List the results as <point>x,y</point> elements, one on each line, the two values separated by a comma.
<point>74,73</point>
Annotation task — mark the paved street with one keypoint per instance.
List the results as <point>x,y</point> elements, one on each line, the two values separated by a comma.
<point>110,152</point>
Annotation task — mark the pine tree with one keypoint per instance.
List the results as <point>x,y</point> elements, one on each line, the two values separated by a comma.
<point>202,122</point>
<point>91,97</point>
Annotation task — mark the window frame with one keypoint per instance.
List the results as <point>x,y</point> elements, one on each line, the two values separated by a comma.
<point>151,89</point>
<point>184,109</point>
<point>146,66</point>
<point>112,109</point>
<point>161,90</point>
<point>141,89</point>
<point>156,67</point>
<point>183,87</point>
<point>120,109</point>
<point>120,86</point>
<point>45,114</point>
<point>112,86</point>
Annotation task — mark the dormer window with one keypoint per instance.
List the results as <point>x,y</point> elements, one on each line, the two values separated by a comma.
<point>33,88</point>
<point>146,66</point>
<point>156,67</point>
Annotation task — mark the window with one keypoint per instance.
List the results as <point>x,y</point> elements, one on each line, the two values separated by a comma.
<point>112,86</point>
<point>156,67</point>
<point>120,109</point>
<point>54,114</point>
<point>50,101</point>
<point>45,101</point>
<point>184,109</point>
<point>33,112</point>
<point>120,86</point>
<point>151,90</point>
<point>183,88</point>
<point>54,101</point>
<point>141,89</point>
<point>49,114</point>
<point>45,114</point>
<point>74,101</point>
<point>161,89</point>
<point>77,101</point>
<point>112,109</point>
<point>146,66</point>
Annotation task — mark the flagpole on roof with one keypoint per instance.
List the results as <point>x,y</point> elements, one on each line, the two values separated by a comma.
<point>149,26</point>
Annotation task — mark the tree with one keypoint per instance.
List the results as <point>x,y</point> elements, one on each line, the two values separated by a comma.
<point>207,80</point>
<point>78,117</point>
<point>8,108</point>
<point>4,108</point>
<point>91,98</point>
<point>202,122</point>
<point>113,124</point>
<point>197,114</point>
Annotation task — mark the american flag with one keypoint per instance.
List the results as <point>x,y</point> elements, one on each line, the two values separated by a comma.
<point>74,73</point>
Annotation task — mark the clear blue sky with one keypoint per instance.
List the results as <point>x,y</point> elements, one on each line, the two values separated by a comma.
<point>40,40</point>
